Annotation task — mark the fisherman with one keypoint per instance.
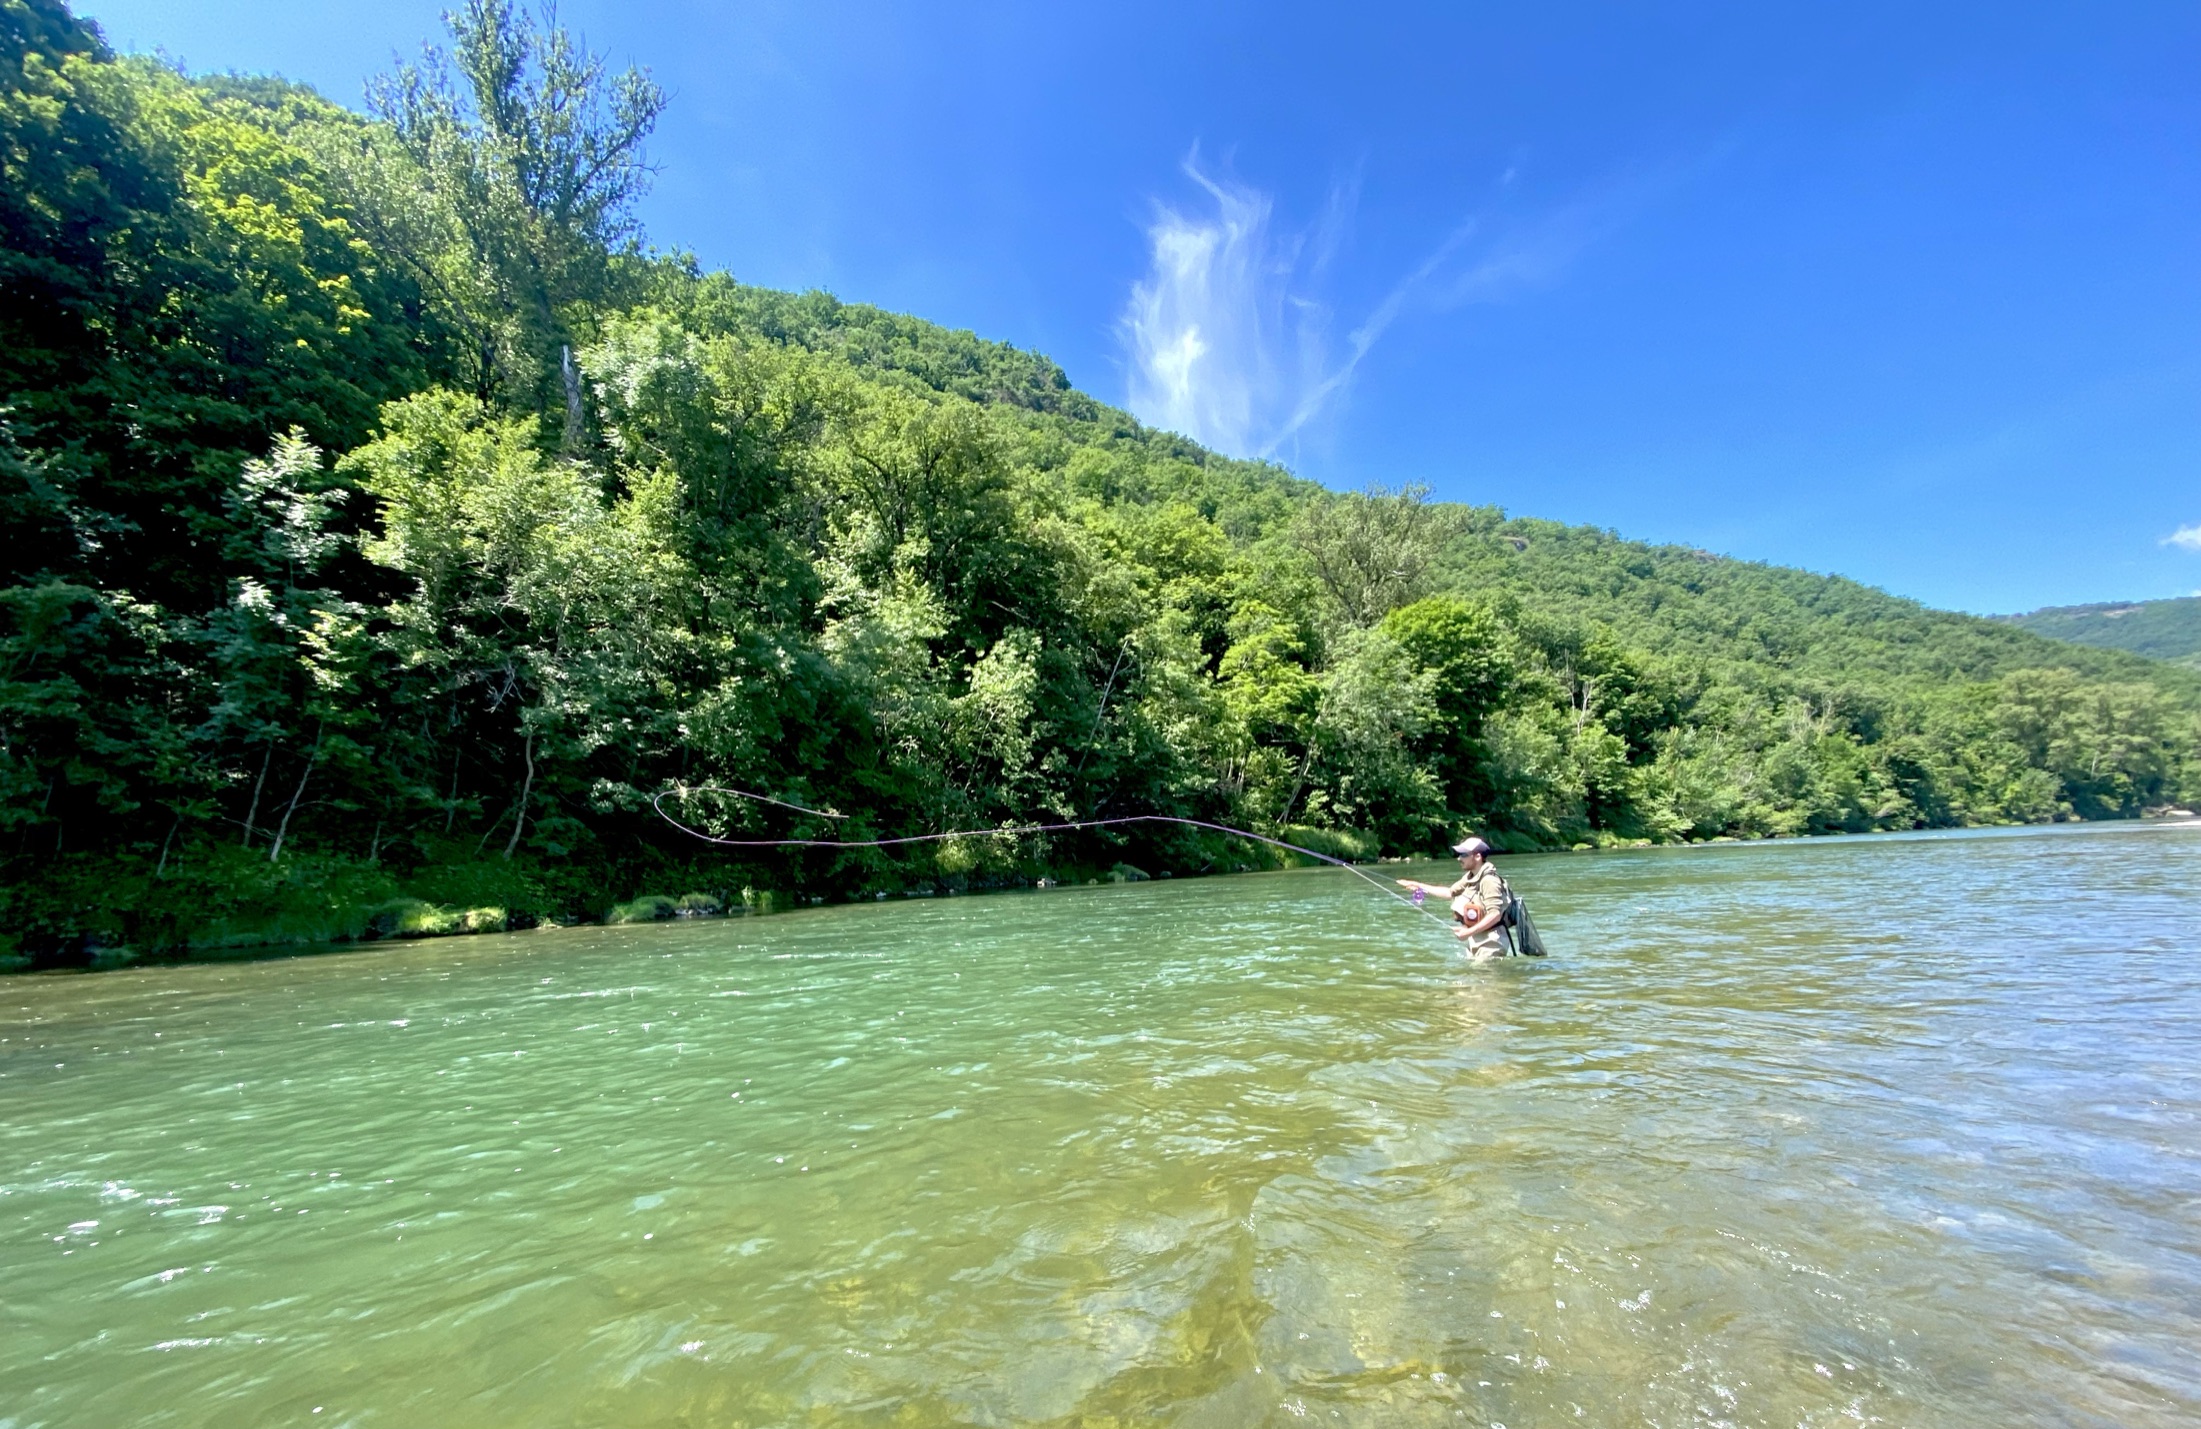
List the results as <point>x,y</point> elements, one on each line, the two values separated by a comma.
<point>1483,896</point>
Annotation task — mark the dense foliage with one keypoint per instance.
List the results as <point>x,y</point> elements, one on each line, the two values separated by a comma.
<point>2159,629</point>
<point>385,529</point>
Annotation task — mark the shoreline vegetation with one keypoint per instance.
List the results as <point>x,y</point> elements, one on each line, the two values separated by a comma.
<point>402,918</point>
<point>386,525</point>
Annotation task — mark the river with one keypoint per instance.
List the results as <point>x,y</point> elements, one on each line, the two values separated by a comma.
<point>1897,1129</point>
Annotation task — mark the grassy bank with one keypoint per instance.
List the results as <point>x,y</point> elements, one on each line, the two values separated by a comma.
<point>99,911</point>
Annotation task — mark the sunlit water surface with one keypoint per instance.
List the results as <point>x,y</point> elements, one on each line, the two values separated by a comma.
<point>1894,1130</point>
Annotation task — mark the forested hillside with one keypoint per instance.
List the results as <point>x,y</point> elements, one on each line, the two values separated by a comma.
<point>2159,629</point>
<point>385,526</point>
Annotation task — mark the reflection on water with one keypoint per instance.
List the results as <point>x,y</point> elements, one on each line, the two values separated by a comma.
<point>1895,1129</point>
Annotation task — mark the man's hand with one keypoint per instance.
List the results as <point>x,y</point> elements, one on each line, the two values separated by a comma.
<point>1484,924</point>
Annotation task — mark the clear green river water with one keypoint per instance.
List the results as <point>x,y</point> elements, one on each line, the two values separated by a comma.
<point>1899,1130</point>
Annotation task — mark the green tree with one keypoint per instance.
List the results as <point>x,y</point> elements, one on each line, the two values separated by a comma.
<point>526,157</point>
<point>1372,550</point>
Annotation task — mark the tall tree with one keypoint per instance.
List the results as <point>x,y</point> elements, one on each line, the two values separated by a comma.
<point>530,152</point>
<point>1372,549</point>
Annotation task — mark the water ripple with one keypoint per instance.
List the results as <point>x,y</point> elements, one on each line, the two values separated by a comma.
<point>1896,1129</point>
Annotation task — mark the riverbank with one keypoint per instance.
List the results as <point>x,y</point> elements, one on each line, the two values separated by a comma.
<point>230,907</point>
<point>228,901</point>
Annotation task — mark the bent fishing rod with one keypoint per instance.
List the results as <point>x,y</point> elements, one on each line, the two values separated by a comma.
<point>657,802</point>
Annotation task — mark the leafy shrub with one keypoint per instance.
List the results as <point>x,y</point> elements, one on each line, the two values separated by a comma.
<point>417,918</point>
<point>1348,844</point>
<point>650,908</point>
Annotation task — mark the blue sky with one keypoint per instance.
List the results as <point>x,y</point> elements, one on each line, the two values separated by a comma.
<point>1910,293</point>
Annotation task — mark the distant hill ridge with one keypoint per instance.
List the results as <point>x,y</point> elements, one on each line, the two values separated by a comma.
<point>1760,625</point>
<point>2158,629</point>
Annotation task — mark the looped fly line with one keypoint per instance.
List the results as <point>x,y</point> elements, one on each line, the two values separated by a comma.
<point>657,803</point>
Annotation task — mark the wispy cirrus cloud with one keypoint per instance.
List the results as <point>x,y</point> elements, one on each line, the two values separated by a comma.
<point>2187,538</point>
<point>1229,334</point>
<point>1221,331</point>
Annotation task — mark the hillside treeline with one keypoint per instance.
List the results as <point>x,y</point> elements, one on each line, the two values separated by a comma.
<point>386,527</point>
<point>2168,630</point>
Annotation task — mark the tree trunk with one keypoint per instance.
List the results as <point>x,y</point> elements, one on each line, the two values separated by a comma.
<point>1102,713</point>
<point>252,815</point>
<point>282,830</point>
<point>481,844</point>
<point>527,785</point>
<point>576,422</point>
<point>1586,692</point>
<point>485,376</point>
<point>1314,733</point>
<point>1298,784</point>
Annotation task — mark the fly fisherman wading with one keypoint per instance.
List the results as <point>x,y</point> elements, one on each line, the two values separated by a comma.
<point>1479,898</point>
